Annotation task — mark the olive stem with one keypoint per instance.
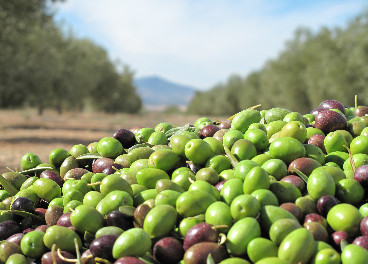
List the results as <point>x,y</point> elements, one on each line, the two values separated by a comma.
<point>97,259</point>
<point>77,251</point>
<point>10,169</point>
<point>94,183</point>
<point>351,159</point>
<point>64,258</point>
<point>356,101</point>
<point>53,254</point>
<point>219,226</point>
<point>231,157</point>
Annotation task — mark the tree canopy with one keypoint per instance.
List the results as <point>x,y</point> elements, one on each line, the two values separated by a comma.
<point>42,66</point>
<point>312,67</point>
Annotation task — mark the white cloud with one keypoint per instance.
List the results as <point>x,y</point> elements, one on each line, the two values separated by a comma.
<point>199,42</point>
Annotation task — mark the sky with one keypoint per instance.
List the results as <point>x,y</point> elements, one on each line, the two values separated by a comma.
<point>199,42</point>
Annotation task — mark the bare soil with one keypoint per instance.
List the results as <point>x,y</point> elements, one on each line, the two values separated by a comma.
<point>23,131</point>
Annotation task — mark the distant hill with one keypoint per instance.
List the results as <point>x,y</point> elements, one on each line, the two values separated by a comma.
<point>156,91</point>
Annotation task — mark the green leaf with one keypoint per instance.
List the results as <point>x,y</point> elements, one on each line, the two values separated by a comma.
<point>137,146</point>
<point>343,244</point>
<point>26,214</point>
<point>89,156</point>
<point>231,157</point>
<point>210,259</point>
<point>301,175</point>
<point>8,186</point>
<point>37,169</point>
<point>127,210</point>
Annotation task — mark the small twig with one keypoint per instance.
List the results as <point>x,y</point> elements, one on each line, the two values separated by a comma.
<point>351,158</point>
<point>10,169</point>
<point>53,254</point>
<point>64,258</point>
<point>94,183</point>
<point>97,259</point>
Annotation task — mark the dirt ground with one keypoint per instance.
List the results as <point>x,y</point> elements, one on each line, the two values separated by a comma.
<point>23,131</point>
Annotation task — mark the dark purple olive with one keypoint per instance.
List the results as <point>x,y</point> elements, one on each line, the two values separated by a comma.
<point>16,238</point>
<point>23,204</point>
<point>129,260</point>
<point>87,257</point>
<point>42,228</point>
<point>318,231</point>
<point>201,232</point>
<point>325,203</point>
<point>338,236</point>
<point>296,181</point>
<point>361,110</point>
<point>102,246</point>
<point>119,219</point>
<point>316,110</point>
<point>8,228</point>
<point>329,121</point>
<point>364,226</point>
<point>361,241</point>
<point>52,176</point>
<point>293,209</point>
<point>100,164</point>
<point>318,141</point>
<point>126,137</point>
<point>219,185</point>
<point>40,212</point>
<point>43,204</point>
<point>333,104</point>
<point>111,169</point>
<point>313,217</point>
<point>168,250</point>
<point>64,220</point>
<point>47,258</point>
<point>225,124</point>
<point>140,214</point>
<point>361,175</point>
<point>198,253</point>
<point>305,165</point>
<point>209,131</point>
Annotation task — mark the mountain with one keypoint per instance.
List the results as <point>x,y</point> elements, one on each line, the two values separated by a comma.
<point>156,91</point>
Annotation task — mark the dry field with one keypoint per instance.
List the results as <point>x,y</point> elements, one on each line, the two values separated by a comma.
<point>23,131</point>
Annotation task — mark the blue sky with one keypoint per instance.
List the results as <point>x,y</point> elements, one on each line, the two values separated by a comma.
<point>199,43</point>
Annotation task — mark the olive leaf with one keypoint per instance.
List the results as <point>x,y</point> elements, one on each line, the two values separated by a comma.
<point>137,146</point>
<point>127,210</point>
<point>210,259</point>
<point>8,186</point>
<point>89,156</point>
<point>343,244</point>
<point>26,214</point>
<point>231,157</point>
<point>301,175</point>
<point>178,130</point>
<point>37,169</point>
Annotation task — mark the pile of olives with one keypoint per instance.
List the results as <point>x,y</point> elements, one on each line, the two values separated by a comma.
<point>265,186</point>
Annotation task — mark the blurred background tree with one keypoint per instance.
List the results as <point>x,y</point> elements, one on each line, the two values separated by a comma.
<point>41,66</point>
<point>313,66</point>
